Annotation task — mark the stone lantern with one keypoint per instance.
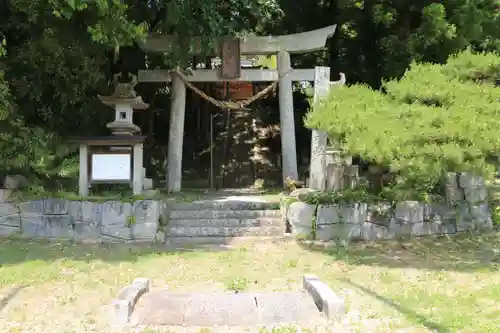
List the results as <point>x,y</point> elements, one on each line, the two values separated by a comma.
<point>124,100</point>
<point>116,159</point>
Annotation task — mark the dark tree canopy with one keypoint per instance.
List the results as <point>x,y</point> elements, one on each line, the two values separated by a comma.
<point>57,55</point>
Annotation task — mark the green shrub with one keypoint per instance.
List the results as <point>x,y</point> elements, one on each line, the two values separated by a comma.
<point>436,118</point>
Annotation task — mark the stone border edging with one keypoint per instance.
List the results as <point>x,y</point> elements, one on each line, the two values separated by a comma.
<point>326,300</point>
<point>124,304</point>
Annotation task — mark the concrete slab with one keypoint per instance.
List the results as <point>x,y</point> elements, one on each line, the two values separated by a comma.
<point>163,308</point>
<point>286,307</point>
<point>216,309</point>
<point>221,309</point>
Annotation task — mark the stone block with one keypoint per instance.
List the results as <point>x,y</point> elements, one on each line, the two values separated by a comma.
<point>147,211</point>
<point>144,231</point>
<point>300,216</point>
<point>409,211</point>
<point>448,228</point>
<point>453,192</point>
<point>124,304</point>
<point>117,221</point>
<point>91,212</point>
<point>116,232</point>
<point>5,195</point>
<point>13,220</point>
<point>425,229</point>
<point>34,227</point>
<point>75,210</point>
<point>380,213</point>
<point>326,300</point>
<point>7,209</point>
<point>474,188</point>
<point>54,206</point>
<point>465,220</point>
<point>439,213</point>
<point>183,231</point>
<point>147,215</point>
<point>160,236</point>
<point>467,180</point>
<point>10,220</point>
<point>372,232</point>
<point>7,230</point>
<point>355,213</point>
<point>32,223</point>
<point>399,228</point>
<point>326,232</point>
<point>481,216</point>
<point>58,226</point>
<point>475,195</point>
<point>83,231</point>
<point>32,208</point>
<point>116,212</point>
<point>346,231</point>
<point>327,214</point>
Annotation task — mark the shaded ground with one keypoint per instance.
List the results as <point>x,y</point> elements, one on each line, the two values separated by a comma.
<point>426,285</point>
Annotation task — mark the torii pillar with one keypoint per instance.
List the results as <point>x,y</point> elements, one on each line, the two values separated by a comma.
<point>176,135</point>
<point>287,119</point>
<point>282,46</point>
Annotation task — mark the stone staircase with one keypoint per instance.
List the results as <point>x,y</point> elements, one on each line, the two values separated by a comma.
<point>223,222</point>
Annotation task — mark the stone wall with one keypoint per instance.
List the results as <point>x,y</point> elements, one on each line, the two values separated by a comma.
<point>83,220</point>
<point>466,209</point>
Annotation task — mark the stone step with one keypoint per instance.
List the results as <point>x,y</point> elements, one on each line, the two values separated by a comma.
<point>177,231</point>
<point>252,222</point>
<point>200,242</point>
<point>225,205</point>
<point>222,214</point>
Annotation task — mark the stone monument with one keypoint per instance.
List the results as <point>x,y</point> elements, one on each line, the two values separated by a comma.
<point>116,159</point>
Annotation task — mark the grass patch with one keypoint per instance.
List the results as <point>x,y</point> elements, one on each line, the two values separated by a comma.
<point>186,195</point>
<point>427,284</point>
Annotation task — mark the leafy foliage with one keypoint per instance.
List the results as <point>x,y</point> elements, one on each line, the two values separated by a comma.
<point>125,22</point>
<point>436,118</point>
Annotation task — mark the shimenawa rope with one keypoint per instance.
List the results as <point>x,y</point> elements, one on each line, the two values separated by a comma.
<point>229,105</point>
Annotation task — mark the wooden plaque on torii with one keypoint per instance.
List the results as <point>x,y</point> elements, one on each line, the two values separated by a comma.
<point>230,59</point>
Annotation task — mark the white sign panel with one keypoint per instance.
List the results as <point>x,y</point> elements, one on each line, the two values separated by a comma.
<point>110,167</point>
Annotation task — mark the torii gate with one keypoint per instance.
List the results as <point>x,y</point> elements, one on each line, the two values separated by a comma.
<point>282,46</point>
